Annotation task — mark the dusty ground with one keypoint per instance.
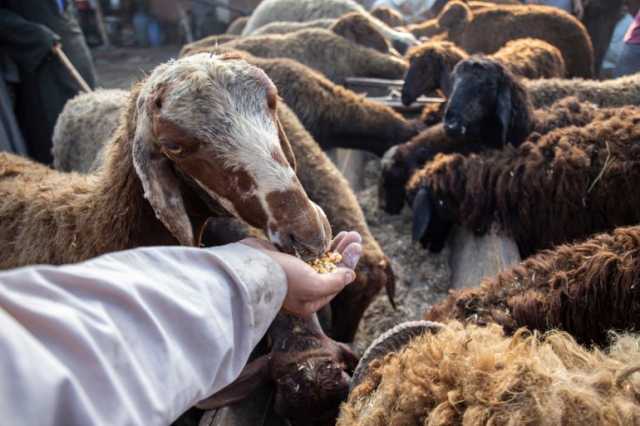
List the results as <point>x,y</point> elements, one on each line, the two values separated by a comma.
<point>422,277</point>
<point>119,68</point>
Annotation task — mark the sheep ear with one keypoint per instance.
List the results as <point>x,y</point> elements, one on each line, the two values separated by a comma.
<point>422,213</point>
<point>503,111</point>
<point>254,375</point>
<point>286,145</point>
<point>160,184</point>
<point>455,17</point>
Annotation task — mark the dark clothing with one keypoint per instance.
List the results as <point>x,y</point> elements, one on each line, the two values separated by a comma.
<point>10,135</point>
<point>28,31</point>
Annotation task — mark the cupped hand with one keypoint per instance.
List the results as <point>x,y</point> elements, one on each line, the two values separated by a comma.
<point>308,291</point>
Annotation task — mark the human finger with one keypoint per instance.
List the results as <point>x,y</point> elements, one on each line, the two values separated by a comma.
<point>351,255</point>
<point>349,238</point>
<point>337,239</point>
<point>324,285</point>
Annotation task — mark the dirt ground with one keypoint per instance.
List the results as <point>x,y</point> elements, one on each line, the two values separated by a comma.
<point>422,277</point>
<point>119,68</point>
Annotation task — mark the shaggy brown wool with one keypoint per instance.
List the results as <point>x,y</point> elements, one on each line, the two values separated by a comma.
<point>476,376</point>
<point>565,185</point>
<point>585,289</point>
<point>468,30</point>
<point>335,116</point>
<point>431,64</point>
<point>607,93</point>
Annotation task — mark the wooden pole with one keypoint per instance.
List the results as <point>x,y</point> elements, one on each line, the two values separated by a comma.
<point>100,22</point>
<point>57,50</point>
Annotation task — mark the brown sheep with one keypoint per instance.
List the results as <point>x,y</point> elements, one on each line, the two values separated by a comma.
<point>388,15</point>
<point>431,64</point>
<point>237,26</point>
<point>323,50</point>
<point>608,93</point>
<point>138,199</point>
<point>585,289</point>
<point>470,375</point>
<point>468,30</point>
<point>563,186</point>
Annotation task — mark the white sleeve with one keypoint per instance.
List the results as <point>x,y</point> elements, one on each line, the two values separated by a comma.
<point>131,338</point>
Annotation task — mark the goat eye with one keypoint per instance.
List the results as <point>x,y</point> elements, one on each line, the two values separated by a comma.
<point>172,148</point>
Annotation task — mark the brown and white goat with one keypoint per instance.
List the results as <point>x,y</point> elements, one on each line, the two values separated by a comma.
<point>200,136</point>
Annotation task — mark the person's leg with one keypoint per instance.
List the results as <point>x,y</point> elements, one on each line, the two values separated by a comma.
<point>629,60</point>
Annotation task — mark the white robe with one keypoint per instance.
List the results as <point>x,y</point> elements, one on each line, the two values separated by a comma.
<point>131,338</point>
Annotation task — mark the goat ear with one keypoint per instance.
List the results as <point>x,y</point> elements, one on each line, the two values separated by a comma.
<point>422,213</point>
<point>254,375</point>
<point>286,145</point>
<point>159,181</point>
<point>503,111</point>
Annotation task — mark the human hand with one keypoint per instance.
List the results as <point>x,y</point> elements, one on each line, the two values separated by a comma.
<point>308,291</point>
<point>578,9</point>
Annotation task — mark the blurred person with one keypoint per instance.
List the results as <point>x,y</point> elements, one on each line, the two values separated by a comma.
<point>138,337</point>
<point>574,7</point>
<point>629,58</point>
<point>29,29</point>
<point>10,136</point>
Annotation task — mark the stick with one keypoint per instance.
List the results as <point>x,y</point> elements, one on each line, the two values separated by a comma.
<point>100,22</point>
<point>72,70</point>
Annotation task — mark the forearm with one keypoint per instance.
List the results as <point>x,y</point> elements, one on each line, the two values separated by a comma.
<point>135,337</point>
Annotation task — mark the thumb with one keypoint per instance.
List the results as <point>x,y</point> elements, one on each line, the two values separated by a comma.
<point>334,282</point>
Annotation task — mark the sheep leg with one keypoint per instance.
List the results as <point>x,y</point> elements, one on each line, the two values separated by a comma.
<point>474,257</point>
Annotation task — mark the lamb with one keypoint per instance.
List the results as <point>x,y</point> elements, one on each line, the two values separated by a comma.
<point>52,217</point>
<point>323,50</point>
<point>476,375</point>
<point>237,26</point>
<point>432,62</point>
<point>308,10</point>
<point>562,186</point>
<point>389,16</point>
<point>585,289</point>
<point>468,30</point>
<point>322,182</point>
<point>608,93</point>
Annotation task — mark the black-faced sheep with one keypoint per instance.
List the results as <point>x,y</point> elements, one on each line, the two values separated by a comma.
<point>585,289</point>
<point>563,186</point>
<point>468,30</point>
<point>608,93</point>
<point>308,10</point>
<point>488,108</point>
<point>138,199</point>
<point>431,64</point>
<point>323,50</point>
<point>322,182</point>
<point>470,375</point>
